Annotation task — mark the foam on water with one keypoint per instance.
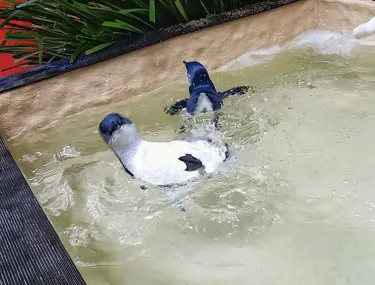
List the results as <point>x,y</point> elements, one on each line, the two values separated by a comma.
<point>321,41</point>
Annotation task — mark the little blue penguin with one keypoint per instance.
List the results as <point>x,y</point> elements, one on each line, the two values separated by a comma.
<point>160,163</point>
<point>203,94</point>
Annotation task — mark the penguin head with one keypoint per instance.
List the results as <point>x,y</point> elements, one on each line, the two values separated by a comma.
<point>194,69</point>
<point>198,78</point>
<point>116,126</point>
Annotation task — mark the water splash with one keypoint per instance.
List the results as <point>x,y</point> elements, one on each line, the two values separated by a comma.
<point>320,41</point>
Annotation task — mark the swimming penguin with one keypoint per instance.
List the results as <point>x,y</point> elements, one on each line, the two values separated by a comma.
<point>160,163</point>
<point>203,95</point>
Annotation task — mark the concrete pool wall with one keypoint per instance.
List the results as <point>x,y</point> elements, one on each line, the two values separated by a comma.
<point>41,103</point>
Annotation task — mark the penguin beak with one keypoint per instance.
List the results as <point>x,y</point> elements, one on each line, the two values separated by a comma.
<point>185,62</point>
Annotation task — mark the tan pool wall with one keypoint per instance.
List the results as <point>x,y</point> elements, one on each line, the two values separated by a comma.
<point>39,104</point>
<point>343,15</point>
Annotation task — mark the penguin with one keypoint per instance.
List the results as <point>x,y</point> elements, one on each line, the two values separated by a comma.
<point>166,163</point>
<point>203,95</point>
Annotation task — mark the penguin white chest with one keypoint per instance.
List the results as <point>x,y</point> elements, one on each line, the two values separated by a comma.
<point>159,164</point>
<point>204,104</point>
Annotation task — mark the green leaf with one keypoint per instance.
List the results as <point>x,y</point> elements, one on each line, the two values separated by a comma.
<point>80,48</point>
<point>221,6</point>
<point>152,11</point>
<point>131,11</point>
<point>121,25</point>
<point>57,54</point>
<point>19,27</point>
<point>11,2</point>
<point>82,13</point>
<point>85,9</point>
<point>15,66</point>
<point>40,46</point>
<point>140,3</point>
<point>26,3</point>
<point>205,8</point>
<point>142,21</point>
<point>81,38</point>
<point>89,31</point>
<point>66,18</point>
<point>110,3</point>
<point>26,56</point>
<point>19,47</point>
<point>51,59</point>
<point>20,36</point>
<point>10,17</point>
<point>181,10</point>
<point>170,6</point>
<point>135,29</point>
<point>99,47</point>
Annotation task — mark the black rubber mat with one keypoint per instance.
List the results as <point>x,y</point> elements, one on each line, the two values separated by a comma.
<point>30,249</point>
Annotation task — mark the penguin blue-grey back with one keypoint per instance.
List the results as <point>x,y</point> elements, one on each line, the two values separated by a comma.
<point>203,94</point>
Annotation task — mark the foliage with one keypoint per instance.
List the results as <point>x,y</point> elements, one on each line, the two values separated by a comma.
<point>66,28</point>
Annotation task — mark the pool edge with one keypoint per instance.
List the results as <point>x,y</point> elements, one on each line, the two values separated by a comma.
<point>42,102</point>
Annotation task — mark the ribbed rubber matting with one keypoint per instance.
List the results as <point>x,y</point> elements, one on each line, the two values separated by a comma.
<point>30,249</point>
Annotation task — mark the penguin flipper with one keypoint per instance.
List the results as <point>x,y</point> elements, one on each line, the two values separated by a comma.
<point>192,163</point>
<point>176,108</point>
<point>239,90</point>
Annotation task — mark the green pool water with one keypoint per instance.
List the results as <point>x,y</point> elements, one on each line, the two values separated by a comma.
<point>296,204</point>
